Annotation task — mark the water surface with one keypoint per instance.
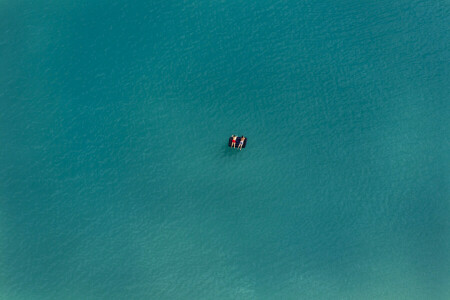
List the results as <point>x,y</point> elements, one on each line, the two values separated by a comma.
<point>117,183</point>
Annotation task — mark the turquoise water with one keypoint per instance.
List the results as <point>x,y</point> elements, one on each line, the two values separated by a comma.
<point>116,181</point>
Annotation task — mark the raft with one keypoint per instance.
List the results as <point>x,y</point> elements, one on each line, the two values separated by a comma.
<point>238,139</point>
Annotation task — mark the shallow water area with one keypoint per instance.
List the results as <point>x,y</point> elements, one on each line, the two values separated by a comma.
<point>116,181</point>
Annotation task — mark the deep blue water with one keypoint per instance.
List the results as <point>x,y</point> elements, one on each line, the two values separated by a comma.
<point>116,181</point>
